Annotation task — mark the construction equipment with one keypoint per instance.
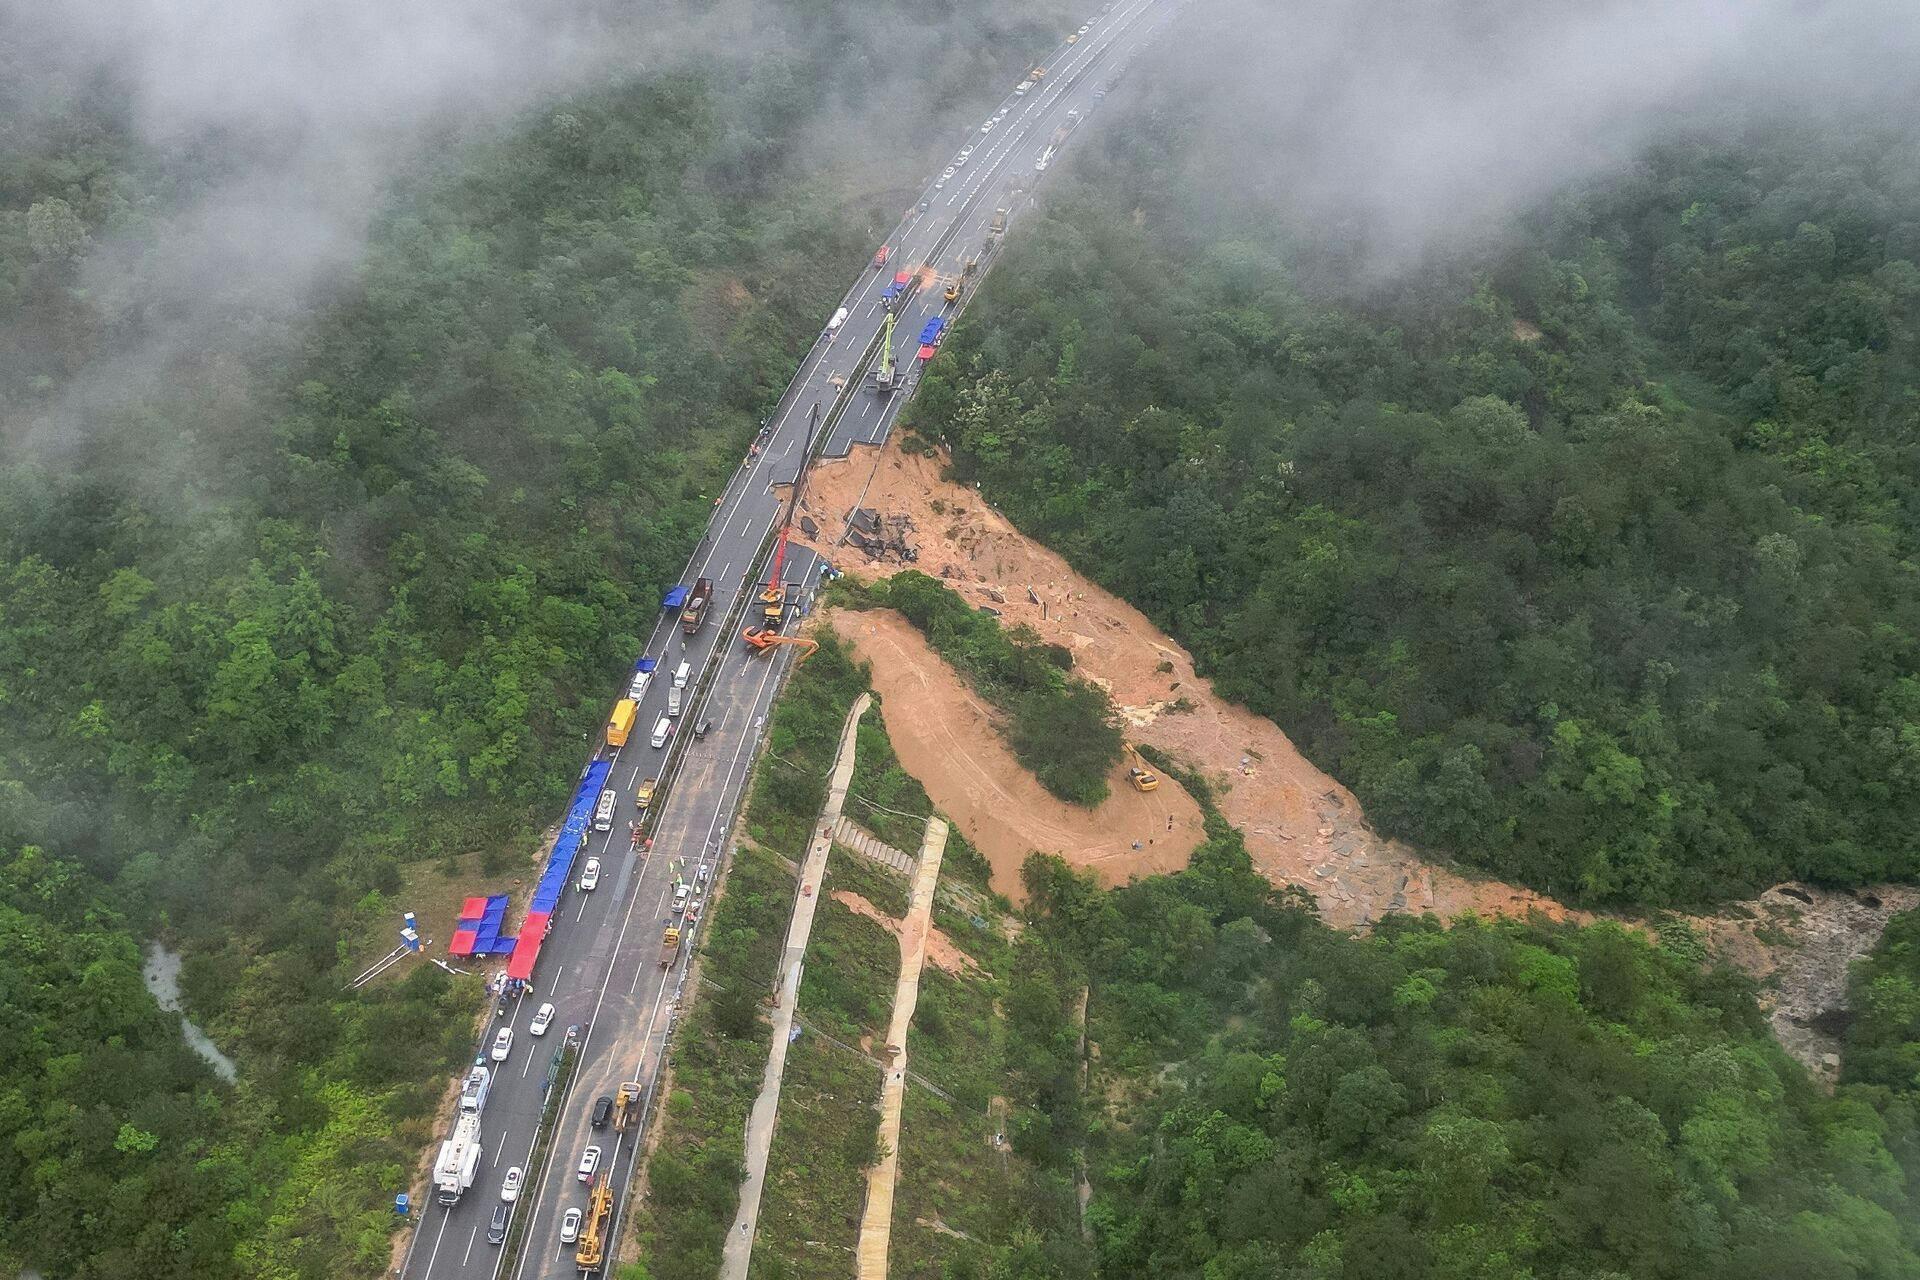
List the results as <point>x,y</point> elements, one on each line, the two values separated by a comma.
<point>958,285</point>
<point>999,222</point>
<point>593,1237</point>
<point>767,641</point>
<point>775,597</point>
<point>669,946</point>
<point>1142,778</point>
<point>644,796</point>
<point>885,378</point>
<point>626,1105</point>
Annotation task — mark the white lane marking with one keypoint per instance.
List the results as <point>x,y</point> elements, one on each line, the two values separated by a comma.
<point>1003,146</point>
<point>586,1038</point>
<point>474,1235</point>
<point>446,1216</point>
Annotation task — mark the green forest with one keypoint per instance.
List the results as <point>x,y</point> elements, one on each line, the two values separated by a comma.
<point>1491,1100</point>
<point>329,604</point>
<point>1060,726</point>
<point>1588,558</point>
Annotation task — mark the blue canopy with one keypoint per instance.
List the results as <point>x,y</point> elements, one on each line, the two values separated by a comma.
<point>646,664</point>
<point>573,834</point>
<point>676,597</point>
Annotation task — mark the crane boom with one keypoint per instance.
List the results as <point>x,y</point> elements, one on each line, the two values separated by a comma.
<point>773,597</point>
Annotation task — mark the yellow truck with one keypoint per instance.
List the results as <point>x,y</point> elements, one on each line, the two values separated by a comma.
<point>644,796</point>
<point>622,723</point>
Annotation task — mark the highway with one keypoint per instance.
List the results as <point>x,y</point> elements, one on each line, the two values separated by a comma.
<point>600,965</point>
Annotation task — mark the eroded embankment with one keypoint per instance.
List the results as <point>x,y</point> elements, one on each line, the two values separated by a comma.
<point>1301,827</point>
<point>945,737</point>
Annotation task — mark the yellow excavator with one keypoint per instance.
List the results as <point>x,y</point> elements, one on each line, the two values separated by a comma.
<point>958,285</point>
<point>1142,778</point>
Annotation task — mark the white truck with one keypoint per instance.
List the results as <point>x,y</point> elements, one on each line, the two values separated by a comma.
<point>459,1160</point>
<point>473,1095</point>
<point>674,696</point>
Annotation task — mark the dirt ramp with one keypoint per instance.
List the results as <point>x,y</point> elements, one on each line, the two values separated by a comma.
<point>946,738</point>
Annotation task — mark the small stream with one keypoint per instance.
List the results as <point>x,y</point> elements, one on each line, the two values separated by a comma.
<point>162,976</point>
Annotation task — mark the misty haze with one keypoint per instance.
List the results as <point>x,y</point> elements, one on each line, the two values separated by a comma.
<point>1168,638</point>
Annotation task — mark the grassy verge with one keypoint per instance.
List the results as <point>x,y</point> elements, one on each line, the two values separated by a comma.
<point>694,1176</point>
<point>790,784</point>
<point>884,887</point>
<point>1059,726</point>
<point>884,798</point>
<point>828,1128</point>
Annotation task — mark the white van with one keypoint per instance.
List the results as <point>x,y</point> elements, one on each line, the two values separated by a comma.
<point>661,728</point>
<point>684,674</point>
<point>603,812</point>
<point>673,700</point>
<point>638,689</point>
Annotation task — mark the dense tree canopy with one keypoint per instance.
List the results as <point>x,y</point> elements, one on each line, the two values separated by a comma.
<point>1590,559</point>
<point>1058,725</point>
<point>342,589</point>
<point>1488,1100</point>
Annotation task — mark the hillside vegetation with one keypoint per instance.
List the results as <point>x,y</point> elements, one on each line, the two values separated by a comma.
<point>1273,1098</point>
<point>348,593</point>
<point>1590,558</point>
<point>1059,726</point>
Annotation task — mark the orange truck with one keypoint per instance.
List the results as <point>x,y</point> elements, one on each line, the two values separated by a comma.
<point>622,723</point>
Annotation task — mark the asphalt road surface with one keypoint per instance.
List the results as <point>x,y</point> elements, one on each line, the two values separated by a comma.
<point>600,966</point>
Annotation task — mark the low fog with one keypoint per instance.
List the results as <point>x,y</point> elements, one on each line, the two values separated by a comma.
<point>1405,123</point>
<point>281,125</point>
<point>1420,124</point>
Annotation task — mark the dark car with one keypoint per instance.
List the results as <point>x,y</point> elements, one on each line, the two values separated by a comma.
<point>497,1228</point>
<point>602,1112</point>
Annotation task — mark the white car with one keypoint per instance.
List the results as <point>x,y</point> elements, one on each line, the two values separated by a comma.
<point>590,878</point>
<point>1086,28</point>
<point>510,1189</point>
<point>542,1019</point>
<point>988,126</point>
<point>570,1226</point>
<point>964,153</point>
<point>502,1045</point>
<point>949,172</point>
<point>589,1164</point>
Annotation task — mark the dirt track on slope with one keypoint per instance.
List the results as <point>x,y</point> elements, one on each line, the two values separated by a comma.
<point>946,738</point>
<point>1302,828</point>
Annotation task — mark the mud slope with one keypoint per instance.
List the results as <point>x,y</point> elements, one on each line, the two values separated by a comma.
<point>945,737</point>
<point>1301,826</point>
